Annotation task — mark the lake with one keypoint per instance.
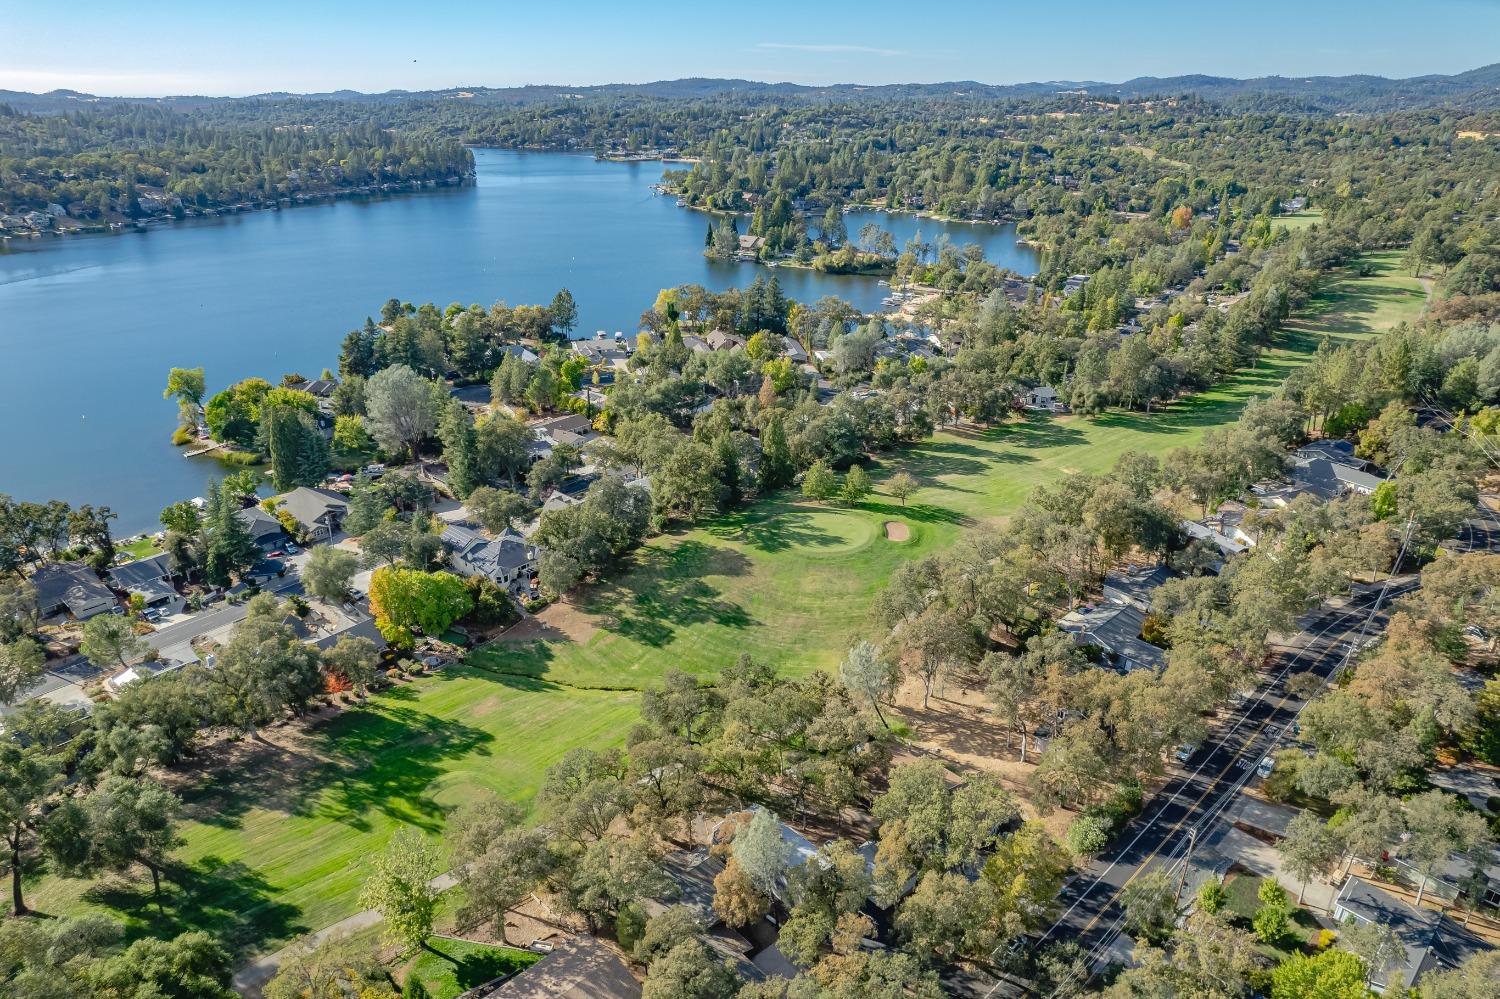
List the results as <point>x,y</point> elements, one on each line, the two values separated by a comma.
<point>89,325</point>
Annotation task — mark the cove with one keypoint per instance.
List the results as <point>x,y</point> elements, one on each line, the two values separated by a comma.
<point>89,325</point>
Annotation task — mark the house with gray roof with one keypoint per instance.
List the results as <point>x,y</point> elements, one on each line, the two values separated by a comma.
<point>70,588</point>
<point>1330,480</point>
<point>1135,586</point>
<point>265,530</point>
<point>1430,940</point>
<point>319,512</point>
<point>506,560</point>
<point>150,579</point>
<point>1114,629</point>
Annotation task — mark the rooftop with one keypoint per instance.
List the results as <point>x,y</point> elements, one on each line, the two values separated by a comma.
<point>581,968</point>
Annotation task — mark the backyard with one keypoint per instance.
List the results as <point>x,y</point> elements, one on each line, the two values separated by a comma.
<point>279,833</point>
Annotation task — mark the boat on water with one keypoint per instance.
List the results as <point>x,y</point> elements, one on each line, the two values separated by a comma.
<point>600,335</point>
<point>883,283</point>
<point>681,203</point>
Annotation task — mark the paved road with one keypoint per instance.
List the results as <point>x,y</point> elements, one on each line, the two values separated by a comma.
<point>1196,796</point>
<point>222,615</point>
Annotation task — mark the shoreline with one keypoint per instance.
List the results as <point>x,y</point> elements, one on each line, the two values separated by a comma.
<point>242,208</point>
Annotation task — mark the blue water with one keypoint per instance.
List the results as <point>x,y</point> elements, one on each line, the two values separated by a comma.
<point>89,325</point>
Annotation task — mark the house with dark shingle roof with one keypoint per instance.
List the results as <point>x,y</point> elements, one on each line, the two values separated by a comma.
<point>1430,940</point>
<point>507,560</point>
<point>151,578</point>
<point>70,588</point>
<point>1114,629</point>
<point>265,530</point>
<point>320,512</point>
<point>581,968</point>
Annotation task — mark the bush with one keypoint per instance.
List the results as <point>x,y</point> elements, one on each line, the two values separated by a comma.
<point>492,605</point>
<point>1212,896</point>
<point>239,459</point>
<point>393,674</point>
<point>1325,939</point>
<point>1089,835</point>
<point>536,604</point>
<point>181,436</point>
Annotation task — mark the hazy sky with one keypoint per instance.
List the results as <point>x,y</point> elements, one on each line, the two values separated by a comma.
<point>154,47</point>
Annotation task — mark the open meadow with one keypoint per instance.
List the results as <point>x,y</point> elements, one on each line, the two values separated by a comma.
<point>279,834</point>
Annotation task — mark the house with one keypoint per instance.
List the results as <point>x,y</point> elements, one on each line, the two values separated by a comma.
<point>719,340</point>
<point>321,388</point>
<point>319,512</point>
<point>506,560</point>
<point>572,430</point>
<point>70,588</point>
<point>1043,397</point>
<point>1135,587</point>
<point>581,968</point>
<point>751,244</point>
<point>1074,283</point>
<point>1455,878</point>
<point>1202,532</point>
<point>790,348</point>
<point>1339,451</point>
<point>696,344</point>
<point>1330,480</point>
<point>265,530</point>
<point>693,871</point>
<point>1114,629</point>
<point>1431,941</point>
<point>151,579</point>
<point>602,355</point>
<point>472,397</point>
<point>517,350</point>
<point>799,849</point>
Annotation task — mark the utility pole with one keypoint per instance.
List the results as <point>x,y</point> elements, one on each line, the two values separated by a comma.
<point>1187,860</point>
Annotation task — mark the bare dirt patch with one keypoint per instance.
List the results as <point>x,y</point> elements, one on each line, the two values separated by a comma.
<point>897,531</point>
<point>559,620</point>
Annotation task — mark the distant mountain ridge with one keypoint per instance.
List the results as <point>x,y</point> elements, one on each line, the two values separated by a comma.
<point>1478,88</point>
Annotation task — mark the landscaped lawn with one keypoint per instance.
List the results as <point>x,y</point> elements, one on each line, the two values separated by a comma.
<point>142,547</point>
<point>1243,903</point>
<point>447,967</point>
<point>1299,220</point>
<point>277,846</point>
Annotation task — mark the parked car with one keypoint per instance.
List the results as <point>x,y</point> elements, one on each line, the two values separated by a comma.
<point>1186,751</point>
<point>293,550</point>
<point>1266,766</point>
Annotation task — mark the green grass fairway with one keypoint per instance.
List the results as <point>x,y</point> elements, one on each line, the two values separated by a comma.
<point>790,582</point>
<point>450,967</point>
<point>278,848</point>
<point>1298,220</point>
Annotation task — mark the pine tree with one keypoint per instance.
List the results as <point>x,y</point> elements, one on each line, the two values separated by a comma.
<point>460,449</point>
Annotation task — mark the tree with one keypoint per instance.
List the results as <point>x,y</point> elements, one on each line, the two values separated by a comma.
<point>28,777</point>
<point>188,387</point>
<point>1273,920</point>
<point>228,549</point>
<point>460,449</point>
<point>1212,897</point>
<point>191,966</point>
<point>263,670</point>
<point>614,872</point>
<point>1150,906</point>
<point>870,677</point>
<point>402,407</point>
<point>690,971</point>
<point>564,311</point>
<point>504,875</point>
<point>736,899</point>
<point>22,663</point>
<point>132,820</point>
<point>776,468</point>
<point>833,231</point>
<point>1438,828</point>
<point>329,572</point>
<point>1026,870</point>
<point>901,485</point>
<point>1333,974</point>
<point>297,448</point>
<point>400,888</point>
<point>761,852</point>
<point>1308,848</point>
<point>327,970</point>
<point>355,659</point>
<point>407,600</point>
<point>946,916</point>
<point>89,525</point>
<point>1379,946</point>
<point>1089,835</point>
<point>497,509</point>
<point>819,482</point>
<point>856,486</point>
<point>110,640</point>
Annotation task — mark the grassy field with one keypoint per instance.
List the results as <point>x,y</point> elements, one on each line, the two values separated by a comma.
<point>1299,220</point>
<point>276,847</point>
<point>449,967</point>
<point>790,582</point>
<point>278,840</point>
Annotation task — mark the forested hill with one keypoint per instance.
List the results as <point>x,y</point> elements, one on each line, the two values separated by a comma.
<point>129,161</point>
<point>1477,89</point>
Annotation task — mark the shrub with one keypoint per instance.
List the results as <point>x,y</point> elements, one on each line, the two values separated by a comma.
<point>1212,896</point>
<point>181,436</point>
<point>1088,835</point>
<point>393,674</point>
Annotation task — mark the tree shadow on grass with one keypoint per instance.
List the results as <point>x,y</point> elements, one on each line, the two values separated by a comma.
<point>926,513</point>
<point>777,529</point>
<point>229,900</point>
<point>377,760</point>
<point>666,590</point>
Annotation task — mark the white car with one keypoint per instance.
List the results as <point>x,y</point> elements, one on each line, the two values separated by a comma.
<point>1267,765</point>
<point>1186,752</point>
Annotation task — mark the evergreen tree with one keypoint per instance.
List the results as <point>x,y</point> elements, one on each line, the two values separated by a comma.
<point>776,469</point>
<point>298,450</point>
<point>228,548</point>
<point>460,449</point>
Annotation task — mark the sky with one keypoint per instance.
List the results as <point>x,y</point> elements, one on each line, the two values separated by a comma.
<point>231,47</point>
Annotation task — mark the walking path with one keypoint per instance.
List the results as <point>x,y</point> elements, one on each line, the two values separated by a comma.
<point>250,979</point>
